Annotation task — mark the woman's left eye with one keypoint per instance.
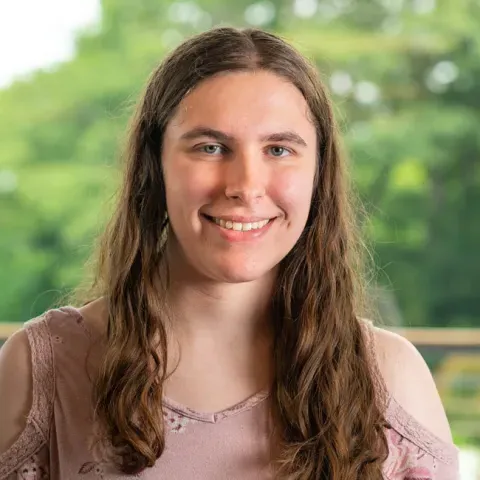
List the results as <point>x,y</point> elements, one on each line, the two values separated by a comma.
<point>277,151</point>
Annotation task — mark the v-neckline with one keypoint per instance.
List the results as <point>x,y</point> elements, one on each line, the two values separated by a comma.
<point>215,417</point>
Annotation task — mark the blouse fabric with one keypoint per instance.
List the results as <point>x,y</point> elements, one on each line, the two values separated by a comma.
<point>232,444</point>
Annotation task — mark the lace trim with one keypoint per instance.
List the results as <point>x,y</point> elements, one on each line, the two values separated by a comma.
<point>36,432</point>
<point>407,426</point>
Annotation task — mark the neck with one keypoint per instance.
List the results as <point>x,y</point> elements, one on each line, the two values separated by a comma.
<point>240,311</point>
<point>220,337</point>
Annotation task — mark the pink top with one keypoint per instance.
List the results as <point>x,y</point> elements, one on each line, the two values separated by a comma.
<point>232,444</point>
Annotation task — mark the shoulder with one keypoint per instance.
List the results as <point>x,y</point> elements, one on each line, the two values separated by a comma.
<point>410,382</point>
<point>15,387</point>
<point>27,382</point>
<point>29,362</point>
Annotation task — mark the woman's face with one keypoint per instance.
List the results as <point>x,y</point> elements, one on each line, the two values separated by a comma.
<point>239,159</point>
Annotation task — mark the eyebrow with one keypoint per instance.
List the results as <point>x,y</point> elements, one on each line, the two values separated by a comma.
<point>286,136</point>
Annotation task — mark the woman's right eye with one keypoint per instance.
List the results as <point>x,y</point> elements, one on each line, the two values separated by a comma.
<point>211,149</point>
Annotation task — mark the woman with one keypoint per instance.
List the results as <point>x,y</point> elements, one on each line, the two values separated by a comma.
<point>226,283</point>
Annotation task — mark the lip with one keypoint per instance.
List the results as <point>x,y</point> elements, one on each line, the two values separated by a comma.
<point>235,236</point>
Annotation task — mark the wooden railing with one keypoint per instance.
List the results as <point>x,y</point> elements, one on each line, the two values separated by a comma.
<point>7,329</point>
<point>448,338</point>
<point>441,337</point>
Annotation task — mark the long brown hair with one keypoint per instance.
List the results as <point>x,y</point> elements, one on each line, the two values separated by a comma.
<point>326,399</point>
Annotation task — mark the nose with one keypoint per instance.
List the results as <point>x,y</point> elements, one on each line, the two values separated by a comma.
<point>246,177</point>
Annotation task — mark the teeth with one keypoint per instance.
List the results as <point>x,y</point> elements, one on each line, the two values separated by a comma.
<point>240,227</point>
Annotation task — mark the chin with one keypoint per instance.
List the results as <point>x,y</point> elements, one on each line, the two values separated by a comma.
<point>240,273</point>
<point>241,278</point>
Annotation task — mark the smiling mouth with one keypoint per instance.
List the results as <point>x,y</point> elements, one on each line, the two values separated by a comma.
<point>239,226</point>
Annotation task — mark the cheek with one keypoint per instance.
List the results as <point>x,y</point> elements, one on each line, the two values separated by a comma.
<point>292,191</point>
<point>187,186</point>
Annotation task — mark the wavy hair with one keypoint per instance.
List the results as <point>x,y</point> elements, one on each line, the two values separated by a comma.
<point>326,397</point>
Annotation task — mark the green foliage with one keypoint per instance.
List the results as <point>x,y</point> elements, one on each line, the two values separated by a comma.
<point>410,118</point>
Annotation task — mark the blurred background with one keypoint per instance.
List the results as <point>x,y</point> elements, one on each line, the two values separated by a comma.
<point>405,79</point>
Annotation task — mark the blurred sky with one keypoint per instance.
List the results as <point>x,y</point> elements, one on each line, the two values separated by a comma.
<point>40,33</point>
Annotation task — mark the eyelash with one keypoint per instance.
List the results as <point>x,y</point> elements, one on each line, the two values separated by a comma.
<point>202,149</point>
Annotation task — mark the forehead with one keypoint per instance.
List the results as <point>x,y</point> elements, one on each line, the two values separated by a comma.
<point>244,104</point>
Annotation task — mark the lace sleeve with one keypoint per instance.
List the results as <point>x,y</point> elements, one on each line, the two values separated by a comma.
<point>30,450</point>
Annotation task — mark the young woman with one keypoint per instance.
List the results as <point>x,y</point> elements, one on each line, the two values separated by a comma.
<point>224,339</point>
